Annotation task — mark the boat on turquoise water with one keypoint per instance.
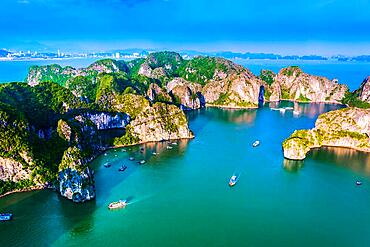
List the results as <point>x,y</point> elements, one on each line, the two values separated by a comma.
<point>119,204</point>
<point>122,168</point>
<point>169,147</point>
<point>358,183</point>
<point>107,165</point>
<point>6,216</point>
<point>233,180</point>
<point>131,158</point>
<point>256,143</point>
<point>154,153</point>
<point>142,162</point>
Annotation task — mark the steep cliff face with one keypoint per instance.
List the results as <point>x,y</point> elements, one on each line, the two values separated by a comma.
<point>364,91</point>
<point>76,179</point>
<point>223,82</point>
<point>236,90</point>
<point>156,93</point>
<point>187,94</point>
<point>105,120</point>
<point>294,84</point>
<point>349,127</point>
<point>156,123</point>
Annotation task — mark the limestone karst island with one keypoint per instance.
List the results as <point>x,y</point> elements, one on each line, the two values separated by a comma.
<point>184,123</point>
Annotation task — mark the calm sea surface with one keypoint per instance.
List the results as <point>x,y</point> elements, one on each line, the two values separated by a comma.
<point>181,197</point>
<point>350,73</point>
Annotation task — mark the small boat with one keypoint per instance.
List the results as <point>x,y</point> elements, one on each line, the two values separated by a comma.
<point>122,168</point>
<point>142,162</point>
<point>119,204</point>
<point>131,158</point>
<point>124,150</point>
<point>358,183</point>
<point>154,153</point>
<point>5,216</point>
<point>107,165</point>
<point>233,180</point>
<point>169,147</point>
<point>256,143</point>
<point>105,154</point>
<point>296,113</point>
<point>174,143</point>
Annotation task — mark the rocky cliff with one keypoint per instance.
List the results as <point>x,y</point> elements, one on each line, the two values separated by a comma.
<point>156,123</point>
<point>187,94</point>
<point>76,179</point>
<point>292,83</point>
<point>364,91</point>
<point>348,127</point>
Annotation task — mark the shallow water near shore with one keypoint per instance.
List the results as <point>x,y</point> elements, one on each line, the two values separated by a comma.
<point>181,197</point>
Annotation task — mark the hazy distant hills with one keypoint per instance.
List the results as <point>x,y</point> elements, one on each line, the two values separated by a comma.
<point>136,52</point>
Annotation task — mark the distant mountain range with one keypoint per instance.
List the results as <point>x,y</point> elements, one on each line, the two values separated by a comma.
<point>134,53</point>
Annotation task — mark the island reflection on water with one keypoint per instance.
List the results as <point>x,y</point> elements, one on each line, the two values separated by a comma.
<point>355,160</point>
<point>345,157</point>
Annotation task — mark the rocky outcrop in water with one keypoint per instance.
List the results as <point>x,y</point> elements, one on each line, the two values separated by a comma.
<point>348,127</point>
<point>156,123</point>
<point>76,179</point>
<point>292,83</point>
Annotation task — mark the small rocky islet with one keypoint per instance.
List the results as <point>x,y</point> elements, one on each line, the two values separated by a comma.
<point>51,125</point>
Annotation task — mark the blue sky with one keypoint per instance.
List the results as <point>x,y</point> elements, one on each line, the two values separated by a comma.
<point>285,27</point>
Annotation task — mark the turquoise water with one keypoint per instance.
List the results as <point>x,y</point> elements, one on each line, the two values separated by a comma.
<point>181,197</point>
<point>350,73</point>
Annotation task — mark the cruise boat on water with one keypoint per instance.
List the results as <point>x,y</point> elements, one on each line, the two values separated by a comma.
<point>5,216</point>
<point>119,204</point>
<point>122,168</point>
<point>256,143</point>
<point>233,180</point>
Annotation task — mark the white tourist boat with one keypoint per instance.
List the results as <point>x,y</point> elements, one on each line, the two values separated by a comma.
<point>233,180</point>
<point>256,143</point>
<point>119,204</point>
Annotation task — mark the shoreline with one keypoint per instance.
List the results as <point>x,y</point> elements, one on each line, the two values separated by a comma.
<point>266,101</point>
<point>330,146</point>
<point>101,152</point>
<point>230,107</point>
<point>33,188</point>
